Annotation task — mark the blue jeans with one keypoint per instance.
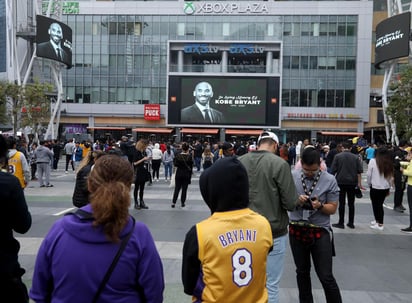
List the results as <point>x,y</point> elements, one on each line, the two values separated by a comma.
<point>168,169</point>
<point>198,161</point>
<point>274,268</point>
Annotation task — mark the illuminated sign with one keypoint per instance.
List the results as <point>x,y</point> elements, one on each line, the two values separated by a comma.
<point>75,129</point>
<point>242,49</point>
<point>322,116</point>
<point>152,111</point>
<point>388,38</point>
<point>233,100</point>
<point>246,49</point>
<point>68,8</point>
<point>227,8</point>
<point>392,38</point>
<point>200,49</point>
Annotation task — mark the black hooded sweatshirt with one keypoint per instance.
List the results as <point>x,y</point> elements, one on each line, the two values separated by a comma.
<point>224,187</point>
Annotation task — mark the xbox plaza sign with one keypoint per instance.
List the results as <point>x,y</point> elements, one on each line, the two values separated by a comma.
<point>226,8</point>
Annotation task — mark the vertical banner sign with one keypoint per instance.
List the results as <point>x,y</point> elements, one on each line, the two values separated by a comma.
<point>392,38</point>
<point>152,111</point>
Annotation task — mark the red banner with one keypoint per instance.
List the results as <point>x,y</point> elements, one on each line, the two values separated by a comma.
<point>152,111</point>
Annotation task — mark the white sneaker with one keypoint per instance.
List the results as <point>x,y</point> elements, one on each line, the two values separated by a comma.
<point>66,172</point>
<point>373,222</point>
<point>377,227</point>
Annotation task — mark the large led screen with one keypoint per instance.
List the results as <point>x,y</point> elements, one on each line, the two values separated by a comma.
<point>223,101</point>
<point>54,40</point>
<point>392,38</point>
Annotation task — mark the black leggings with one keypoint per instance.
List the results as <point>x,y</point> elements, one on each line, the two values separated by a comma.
<point>180,184</point>
<point>378,197</point>
<point>156,168</point>
<point>138,187</point>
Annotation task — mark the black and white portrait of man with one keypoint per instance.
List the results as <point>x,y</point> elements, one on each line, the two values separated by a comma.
<point>58,46</point>
<point>200,111</point>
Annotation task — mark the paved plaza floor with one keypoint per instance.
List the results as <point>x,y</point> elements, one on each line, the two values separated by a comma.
<point>370,266</point>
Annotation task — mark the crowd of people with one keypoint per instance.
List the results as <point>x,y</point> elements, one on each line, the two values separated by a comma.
<point>271,193</point>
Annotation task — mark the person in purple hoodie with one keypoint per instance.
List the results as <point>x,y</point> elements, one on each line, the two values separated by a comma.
<point>79,248</point>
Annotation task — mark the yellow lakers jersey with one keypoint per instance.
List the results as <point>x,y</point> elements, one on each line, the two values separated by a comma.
<point>16,168</point>
<point>233,247</point>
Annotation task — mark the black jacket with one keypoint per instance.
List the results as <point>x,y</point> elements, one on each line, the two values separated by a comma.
<point>141,169</point>
<point>14,216</point>
<point>346,167</point>
<point>192,114</point>
<point>184,165</point>
<point>81,193</point>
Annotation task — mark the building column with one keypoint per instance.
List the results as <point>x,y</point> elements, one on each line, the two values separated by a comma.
<point>180,61</point>
<point>269,61</point>
<point>178,134</point>
<point>224,62</point>
<point>360,126</point>
<point>284,136</point>
<point>222,135</point>
<point>91,124</point>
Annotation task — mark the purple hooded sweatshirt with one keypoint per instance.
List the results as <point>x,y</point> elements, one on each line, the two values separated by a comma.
<point>74,257</point>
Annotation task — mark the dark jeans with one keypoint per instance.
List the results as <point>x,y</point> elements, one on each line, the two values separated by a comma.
<point>180,184</point>
<point>348,190</point>
<point>321,251</point>
<point>378,197</point>
<point>69,160</point>
<point>399,188</point>
<point>55,162</point>
<point>33,167</point>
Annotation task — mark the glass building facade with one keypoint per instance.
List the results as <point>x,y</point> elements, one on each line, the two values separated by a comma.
<point>121,60</point>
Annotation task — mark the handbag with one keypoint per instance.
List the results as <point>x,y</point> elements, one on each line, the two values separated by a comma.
<point>358,192</point>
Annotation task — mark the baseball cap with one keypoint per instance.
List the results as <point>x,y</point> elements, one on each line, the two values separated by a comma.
<point>269,135</point>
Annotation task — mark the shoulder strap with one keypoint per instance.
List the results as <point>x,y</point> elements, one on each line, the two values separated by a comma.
<point>114,262</point>
<point>82,214</point>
